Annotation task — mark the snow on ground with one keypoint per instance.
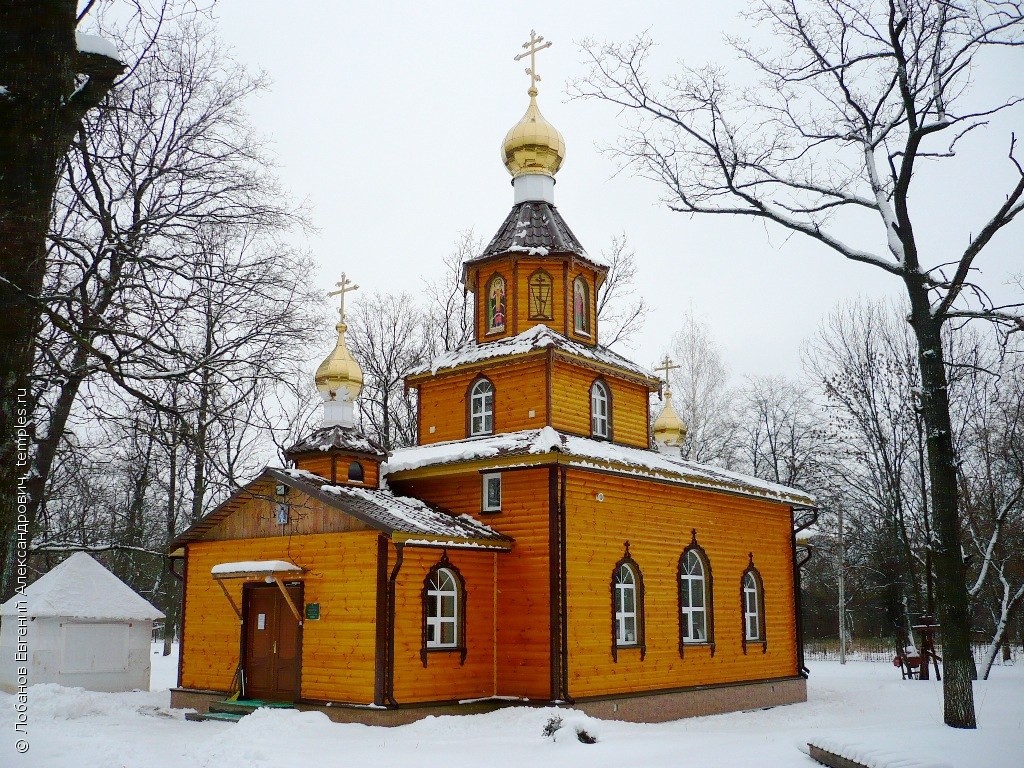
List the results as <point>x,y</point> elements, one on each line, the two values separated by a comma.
<point>863,705</point>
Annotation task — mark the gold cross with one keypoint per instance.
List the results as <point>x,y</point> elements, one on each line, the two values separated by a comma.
<point>344,286</point>
<point>666,366</point>
<point>532,47</point>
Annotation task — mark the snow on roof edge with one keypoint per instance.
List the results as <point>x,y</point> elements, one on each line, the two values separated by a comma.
<point>645,463</point>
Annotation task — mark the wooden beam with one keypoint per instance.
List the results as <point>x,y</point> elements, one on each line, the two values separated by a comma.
<point>288,599</point>
<point>235,608</point>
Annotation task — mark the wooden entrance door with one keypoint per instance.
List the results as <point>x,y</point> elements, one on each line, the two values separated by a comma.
<point>273,643</point>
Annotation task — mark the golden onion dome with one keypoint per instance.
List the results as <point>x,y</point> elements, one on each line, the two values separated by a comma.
<point>339,370</point>
<point>533,145</point>
<point>669,429</point>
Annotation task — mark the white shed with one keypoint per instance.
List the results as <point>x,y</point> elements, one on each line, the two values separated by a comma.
<point>78,625</point>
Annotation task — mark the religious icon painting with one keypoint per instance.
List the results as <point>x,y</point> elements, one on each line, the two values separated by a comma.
<point>581,305</point>
<point>496,305</point>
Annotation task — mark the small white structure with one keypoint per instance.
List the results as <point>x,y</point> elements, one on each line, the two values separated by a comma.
<point>78,625</point>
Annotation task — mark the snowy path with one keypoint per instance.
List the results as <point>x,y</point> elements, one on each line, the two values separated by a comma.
<point>862,704</point>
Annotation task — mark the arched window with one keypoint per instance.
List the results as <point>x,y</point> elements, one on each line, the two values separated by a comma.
<point>442,610</point>
<point>627,606</point>
<point>540,296</point>
<point>600,411</point>
<point>752,601</point>
<point>444,605</point>
<point>581,305</point>
<point>496,304</point>
<point>696,618</point>
<point>355,472</point>
<point>481,408</point>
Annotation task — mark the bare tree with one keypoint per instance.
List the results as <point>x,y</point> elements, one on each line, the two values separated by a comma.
<point>134,249</point>
<point>48,84</point>
<point>449,313</point>
<point>778,432</point>
<point>620,312</point>
<point>991,453</point>
<point>864,359</point>
<point>387,337</point>
<point>700,388</point>
<point>852,98</point>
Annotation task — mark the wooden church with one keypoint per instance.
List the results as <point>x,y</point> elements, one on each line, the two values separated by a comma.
<point>544,542</point>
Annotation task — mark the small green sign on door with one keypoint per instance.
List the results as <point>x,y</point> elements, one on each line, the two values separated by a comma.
<point>312,611</point>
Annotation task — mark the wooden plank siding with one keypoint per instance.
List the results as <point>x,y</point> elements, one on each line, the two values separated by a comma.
<point>335,465</point>
<point>338,650</point>
<point>519,387</point>
<point>445,677</point>
<point>516,268</point>
<point>657,521</point>
<point>570,404</point>
<point>526,268</point>
<point>523,650</point>
<point>255,516</point>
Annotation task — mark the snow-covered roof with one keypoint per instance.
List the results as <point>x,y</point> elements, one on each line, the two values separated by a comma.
<point>336,437</point>
<point>535,338</point>
<point>583,451</point>
<point>81,588</point>
<point>401,517</point>
<point>254,566</point>
<point>395,514</point>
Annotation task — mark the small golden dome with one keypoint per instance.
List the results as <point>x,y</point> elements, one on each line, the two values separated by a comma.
<point>533,145</point>
<point>339,371</point>
<point>669,429</point>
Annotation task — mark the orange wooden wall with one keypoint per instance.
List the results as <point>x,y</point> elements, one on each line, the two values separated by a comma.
<point>519,388</point>
<point>254,515</point>
<point>523,650</point>
<point>337,649</point>
<point>657,520</point>
<point>590,276</point>
<point>570,404</point>
<point>334,467</point>
<point>516,269</point>
<point>445,677</point>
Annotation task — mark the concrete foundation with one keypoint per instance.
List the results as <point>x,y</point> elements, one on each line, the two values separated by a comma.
<point>639,708</point>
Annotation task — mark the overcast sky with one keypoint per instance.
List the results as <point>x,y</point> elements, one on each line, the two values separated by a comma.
<point>387,118</point>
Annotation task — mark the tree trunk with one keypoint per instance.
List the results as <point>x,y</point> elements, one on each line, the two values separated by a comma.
<point>37,72</point>
<point>950,571</point>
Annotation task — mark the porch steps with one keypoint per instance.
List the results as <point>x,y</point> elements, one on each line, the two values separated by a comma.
<point>228,711</point>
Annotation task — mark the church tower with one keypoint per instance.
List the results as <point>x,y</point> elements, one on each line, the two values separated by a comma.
<point>535,359</point>
<point>338,450</point>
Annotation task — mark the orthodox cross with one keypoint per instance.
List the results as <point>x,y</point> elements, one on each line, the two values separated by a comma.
<point>344,286</point>
<point>532,47</point>
<point>666,366</point>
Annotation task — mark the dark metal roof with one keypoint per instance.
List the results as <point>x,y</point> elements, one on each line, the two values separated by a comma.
<point>348,439</point>
<point>537,228</point>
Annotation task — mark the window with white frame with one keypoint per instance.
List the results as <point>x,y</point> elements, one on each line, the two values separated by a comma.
<point>751,606</point>
<point>481,408</point>
<point>625,606</point>
<point>693,598</point>
<point>442,609</point>
<point>492,492</point>
<point>600,425</point>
